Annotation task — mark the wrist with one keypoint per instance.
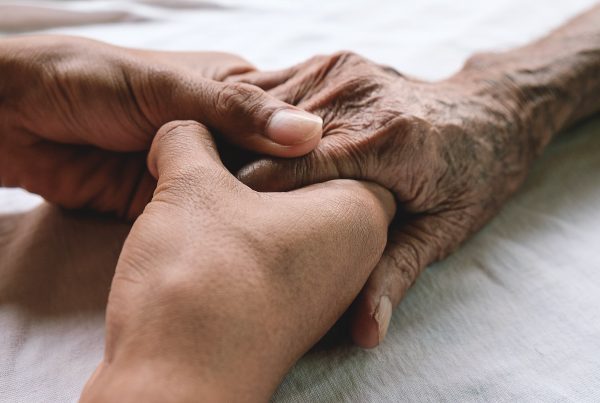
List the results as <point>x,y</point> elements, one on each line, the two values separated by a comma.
<point>546,86</point>
<point>190,335</point>
<point>520,104</point>
<point>150,381</point>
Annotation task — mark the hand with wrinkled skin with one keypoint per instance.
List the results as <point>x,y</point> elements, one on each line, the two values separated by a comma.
<point>78,116</point>
<point>451,151</point>
<point>220,289</point>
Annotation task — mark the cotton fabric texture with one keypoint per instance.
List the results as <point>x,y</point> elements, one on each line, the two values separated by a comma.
<point>514,315</point>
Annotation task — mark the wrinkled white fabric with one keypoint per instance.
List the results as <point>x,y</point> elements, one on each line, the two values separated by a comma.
<point>514,315</point>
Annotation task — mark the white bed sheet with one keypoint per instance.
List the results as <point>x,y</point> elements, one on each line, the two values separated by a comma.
<point>512,316</point>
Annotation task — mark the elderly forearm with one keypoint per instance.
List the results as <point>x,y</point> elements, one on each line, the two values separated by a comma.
<point>547,85</point>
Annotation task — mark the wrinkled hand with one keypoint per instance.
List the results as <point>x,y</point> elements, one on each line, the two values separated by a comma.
<point>77,116</point>
<point>447,150</point>
<point>220,289</point>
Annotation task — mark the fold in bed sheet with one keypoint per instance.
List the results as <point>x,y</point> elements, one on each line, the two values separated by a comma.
<point>514,315</point>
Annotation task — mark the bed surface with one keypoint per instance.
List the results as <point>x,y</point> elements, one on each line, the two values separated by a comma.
<point>514,315</point>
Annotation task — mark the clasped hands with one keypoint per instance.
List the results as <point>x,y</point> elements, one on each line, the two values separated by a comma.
<point>220,288</point>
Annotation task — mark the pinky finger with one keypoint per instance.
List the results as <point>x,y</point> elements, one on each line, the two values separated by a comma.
<point>410,249</point>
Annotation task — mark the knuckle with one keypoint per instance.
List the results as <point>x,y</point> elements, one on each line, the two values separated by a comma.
<point>355,78</point>
<point>338,61</point>
<point>236,98</point>
<point>350,62</point>
<point>174,134</point>
<point>346,56</point>
<point>178,126</point>
<point>335,63</point>
<point>391,70</point>
<point>406,258</point>
<point>304,171</point>
<point>300,173</point>
<point>480,60</point>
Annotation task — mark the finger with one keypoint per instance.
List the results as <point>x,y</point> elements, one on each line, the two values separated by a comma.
<point>276,175</point>
<point>410,249</point>
<point>265,79</point>
<point>79,177</point>
<point>212,65</point>
<point>246,115</point>
<point>184,152</point>
<point>292,85</point>
<point>327,162</point>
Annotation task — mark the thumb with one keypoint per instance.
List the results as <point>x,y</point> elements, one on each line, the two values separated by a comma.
<point>247,116</point>
<point>266,80</point>
<point>410,249</point>
<point>323,164</point>
<point>184,154</point>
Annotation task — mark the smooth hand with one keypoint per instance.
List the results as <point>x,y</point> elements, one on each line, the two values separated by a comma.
<point>220,289</point>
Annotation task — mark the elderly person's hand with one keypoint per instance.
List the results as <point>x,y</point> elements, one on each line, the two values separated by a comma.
<point>452,152</point>
<point>220,289</point>
<point>77,116</point>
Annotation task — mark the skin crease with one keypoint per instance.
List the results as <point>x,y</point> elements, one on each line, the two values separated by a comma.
<point>82,151</point>
<point>217,302</point>
<point>452,151</point>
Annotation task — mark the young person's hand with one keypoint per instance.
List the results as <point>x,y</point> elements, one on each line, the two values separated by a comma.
<point>220,289</point>
<point>77,116</point>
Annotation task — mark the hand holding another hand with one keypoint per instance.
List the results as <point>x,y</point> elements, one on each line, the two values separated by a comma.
<point>220,289</point>
<point>78,116</point>
<point>449,151</point>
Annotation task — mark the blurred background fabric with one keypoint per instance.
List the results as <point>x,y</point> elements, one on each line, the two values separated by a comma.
<point>514,315</point>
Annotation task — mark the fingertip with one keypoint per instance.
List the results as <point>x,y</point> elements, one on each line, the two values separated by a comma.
<point>179,143</point>
<point>302,149</point>
<point>371,321</point>
<point>255,120</point>
<point>265,145</point>
<point>383,317</point>
<point>292,127</point>
<point>364,329</point>
<point>281,175</point>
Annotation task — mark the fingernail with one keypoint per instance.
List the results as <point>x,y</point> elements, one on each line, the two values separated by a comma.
<point>383,315</point>
<point>289,127</point>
